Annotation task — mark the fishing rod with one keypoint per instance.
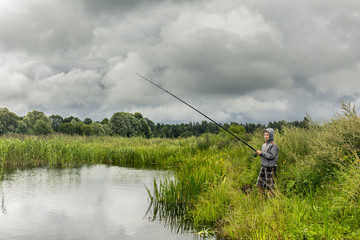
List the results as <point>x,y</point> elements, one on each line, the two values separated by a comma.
<point>198,112</point>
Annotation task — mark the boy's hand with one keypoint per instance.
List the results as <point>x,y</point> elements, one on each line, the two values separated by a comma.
<point>258,152</point>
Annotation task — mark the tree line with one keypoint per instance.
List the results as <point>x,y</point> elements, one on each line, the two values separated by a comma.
<point>120,124</point>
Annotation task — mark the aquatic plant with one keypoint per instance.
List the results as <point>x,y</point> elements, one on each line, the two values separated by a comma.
<point>18,151</point>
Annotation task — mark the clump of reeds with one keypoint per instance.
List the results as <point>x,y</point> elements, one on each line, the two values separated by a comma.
<point>317,191</point>
<point>68,151</point>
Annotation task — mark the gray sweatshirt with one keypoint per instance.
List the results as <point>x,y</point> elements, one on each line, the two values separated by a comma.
<point>269,150</point>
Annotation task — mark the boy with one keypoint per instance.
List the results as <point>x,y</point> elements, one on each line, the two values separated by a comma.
<point>269,154</point>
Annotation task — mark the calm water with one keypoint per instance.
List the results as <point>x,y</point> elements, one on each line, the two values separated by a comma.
<point>92,202</point>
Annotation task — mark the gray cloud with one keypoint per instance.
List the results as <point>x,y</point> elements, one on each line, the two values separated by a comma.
<point>254,61</point>
<point>115,6</point>
<point>45,28</point>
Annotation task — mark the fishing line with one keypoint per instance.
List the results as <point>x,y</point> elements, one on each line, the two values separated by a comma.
<point>217,124</point>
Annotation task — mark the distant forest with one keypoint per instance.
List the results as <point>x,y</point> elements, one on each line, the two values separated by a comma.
<point>121,124</point>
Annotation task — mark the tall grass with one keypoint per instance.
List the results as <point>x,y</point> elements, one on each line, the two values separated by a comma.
<point>317,185</point>
<point>66,151</point>
<point>317,193</point>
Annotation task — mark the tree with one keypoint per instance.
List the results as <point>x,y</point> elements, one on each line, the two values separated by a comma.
<point>86,130</point>
<point>72,128</point>
<point>22,128</point>
<point>42,127</point>
<point>120,124</point>
<point>186,134</point>
<point>235,128</point>
<point>87,121</point>
<point>71,118</point>
<point>105,121</point>
<point>157,130</point>
<point>151,124</point>
<point>56,120</point>
<point>145,129</point>
<point>127,125</point>
<point>138,115</point>
<point>8,121</point>
<point>100,129</point>
<point>38,123</point>
<point>251,127</point>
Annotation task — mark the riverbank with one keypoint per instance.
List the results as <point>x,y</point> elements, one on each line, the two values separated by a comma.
<point>317,190</point>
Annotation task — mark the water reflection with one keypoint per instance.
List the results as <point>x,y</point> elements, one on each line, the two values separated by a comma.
<point>3,207</point>
<point>91,202</point>
<point>174,216</point>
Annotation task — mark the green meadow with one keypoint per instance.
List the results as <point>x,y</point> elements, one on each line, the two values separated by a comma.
<point>214,189</point>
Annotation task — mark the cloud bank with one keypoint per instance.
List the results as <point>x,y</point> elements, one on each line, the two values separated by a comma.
<point>253,61</point>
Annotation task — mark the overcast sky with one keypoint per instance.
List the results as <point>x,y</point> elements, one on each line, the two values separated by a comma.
<point>242,61</point>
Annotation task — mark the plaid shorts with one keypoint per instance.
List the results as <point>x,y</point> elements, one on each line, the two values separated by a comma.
<point>266,177</point>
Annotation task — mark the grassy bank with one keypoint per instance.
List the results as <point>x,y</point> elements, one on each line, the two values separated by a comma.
<point>317,190</point>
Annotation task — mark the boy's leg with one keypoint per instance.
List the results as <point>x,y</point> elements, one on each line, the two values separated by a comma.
<point>270,181</point>
<point>261,182</point>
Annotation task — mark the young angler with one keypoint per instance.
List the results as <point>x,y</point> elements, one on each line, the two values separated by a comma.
<point>269,154</point>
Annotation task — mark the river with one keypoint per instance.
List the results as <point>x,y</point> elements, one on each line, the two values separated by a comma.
<point>90,202</point>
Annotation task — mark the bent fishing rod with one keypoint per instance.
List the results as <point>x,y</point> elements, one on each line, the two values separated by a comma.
<point>217,124</point>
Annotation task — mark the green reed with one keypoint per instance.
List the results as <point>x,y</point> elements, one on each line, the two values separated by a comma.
<point>214,187</point>
<point>317,191</point>
<point>66,151</point>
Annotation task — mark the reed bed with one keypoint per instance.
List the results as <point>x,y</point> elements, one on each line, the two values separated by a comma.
<point>65,151</point>
<point>317,192</point>
<point>214,191</point>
